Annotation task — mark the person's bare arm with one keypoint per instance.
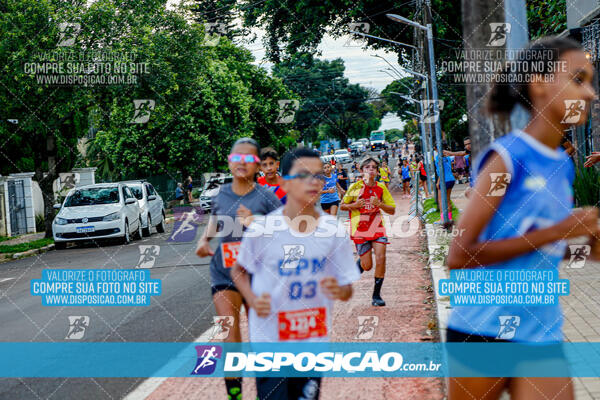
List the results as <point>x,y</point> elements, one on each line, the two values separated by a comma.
<point>241,279</point>
<point>454,153</point>
<point>569,149</point>
<point>592,159</point>
<point>334,291</point>
<point>203,247</point>
<point>388,209</point>
<point>466,251</point>
<point>352,206</point>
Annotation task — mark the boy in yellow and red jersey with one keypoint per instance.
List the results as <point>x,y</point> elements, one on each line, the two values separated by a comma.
<point>365,200</point>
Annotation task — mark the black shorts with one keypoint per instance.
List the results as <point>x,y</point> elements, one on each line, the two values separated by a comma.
<point>287,388</point>
<point>406,180</point>
<point>462,337</point>
<point>219,288</point>
<point>327,206</point>
<point>450,185</point>
<point>423,177</point>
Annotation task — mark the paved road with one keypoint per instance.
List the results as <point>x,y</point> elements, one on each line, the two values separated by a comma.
<point>181,313</point>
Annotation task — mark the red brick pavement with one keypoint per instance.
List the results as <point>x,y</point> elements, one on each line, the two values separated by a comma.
<point>406,318</point>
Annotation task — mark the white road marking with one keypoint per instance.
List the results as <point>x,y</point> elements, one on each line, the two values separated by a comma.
<point>6,279</point>
<point>147,387</point>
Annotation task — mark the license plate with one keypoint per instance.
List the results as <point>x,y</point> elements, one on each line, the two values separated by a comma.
<point>85,229</point>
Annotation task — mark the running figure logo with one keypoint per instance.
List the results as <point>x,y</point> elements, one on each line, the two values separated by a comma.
<point>499,183</point>
<point>366,326</point>
<point>207,359</point>
<point>77,326</point>
<point>222,324</point>
<point>508,326</point>
<point>148,255</point>
<point>356,40</point>
<point>310,390</point>
<point>573,111</point>
<point>292,254</point>
<point>287,111</point>
<point>500,31</point>
<point>579,253</point>
<point>186,224</point>
<point>213,32</point>
<point>143,108</point>
<point>430,114</point>
<point>68,33</point>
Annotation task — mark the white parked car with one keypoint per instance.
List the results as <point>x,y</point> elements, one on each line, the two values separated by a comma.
<point>100,211</point>
<point>211,189</point>
<point>358,146</point>
<point>365,142</point>
<point>151,206</point>
<point>342,156</point>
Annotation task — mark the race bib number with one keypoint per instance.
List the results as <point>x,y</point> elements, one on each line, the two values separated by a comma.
<point>229,253</point>
<point>303,324</point>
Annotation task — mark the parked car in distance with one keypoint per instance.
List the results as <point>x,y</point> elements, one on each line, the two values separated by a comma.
<point>100,211</point>
<point>211,188</point>
<point>151,206</point>
<point>365,142</point>
<point>342,156</point>
<point>357,148</point>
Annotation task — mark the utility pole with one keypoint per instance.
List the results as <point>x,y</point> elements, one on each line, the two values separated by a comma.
<point>445,217</point>
<point>424,95</point>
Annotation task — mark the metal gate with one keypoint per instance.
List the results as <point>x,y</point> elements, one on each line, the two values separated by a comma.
<point>16,207</point>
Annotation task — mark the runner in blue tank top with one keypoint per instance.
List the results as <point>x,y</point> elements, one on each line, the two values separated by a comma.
<point>520,214</point>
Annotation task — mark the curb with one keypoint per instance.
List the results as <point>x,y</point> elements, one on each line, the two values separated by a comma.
<point>438,271</point>
<point>27,253</point>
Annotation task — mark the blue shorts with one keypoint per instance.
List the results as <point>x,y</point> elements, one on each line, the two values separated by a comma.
<point>450,185</point>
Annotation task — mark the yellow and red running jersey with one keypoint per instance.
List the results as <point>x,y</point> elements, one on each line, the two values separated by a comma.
<point>366,223</point>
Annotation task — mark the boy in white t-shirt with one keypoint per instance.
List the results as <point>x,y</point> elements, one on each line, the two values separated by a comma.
<point>299,267</point>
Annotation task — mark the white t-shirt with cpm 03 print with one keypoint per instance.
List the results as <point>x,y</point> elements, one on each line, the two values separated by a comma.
<point>289,265</point>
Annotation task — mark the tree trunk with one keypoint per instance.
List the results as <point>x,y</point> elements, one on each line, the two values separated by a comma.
<point>476,17</point>
<point>46,184</point>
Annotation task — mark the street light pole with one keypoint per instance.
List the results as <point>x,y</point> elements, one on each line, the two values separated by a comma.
<point>434,94</point>
<point>424,136</point>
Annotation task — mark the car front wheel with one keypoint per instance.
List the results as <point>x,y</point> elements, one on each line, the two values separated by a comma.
<point>126,239</point>
<point>138,233</point>
<point>148,230</point>
<point>160,228</point>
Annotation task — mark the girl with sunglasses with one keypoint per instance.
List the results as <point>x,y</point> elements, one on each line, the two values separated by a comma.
<point>519,217</point>
<point>235,204</point>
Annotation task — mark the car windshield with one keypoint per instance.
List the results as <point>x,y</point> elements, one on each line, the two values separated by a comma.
<point>137,191</point>
<point>91,196</point>
<point>341,151</point>
<point>211,185</point>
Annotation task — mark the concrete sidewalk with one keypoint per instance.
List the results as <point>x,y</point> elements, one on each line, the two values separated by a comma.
<point>408,317</point>
<point>581,307</point>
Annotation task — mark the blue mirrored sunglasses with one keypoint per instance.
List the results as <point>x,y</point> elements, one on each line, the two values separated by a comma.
<point>305,176</point>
